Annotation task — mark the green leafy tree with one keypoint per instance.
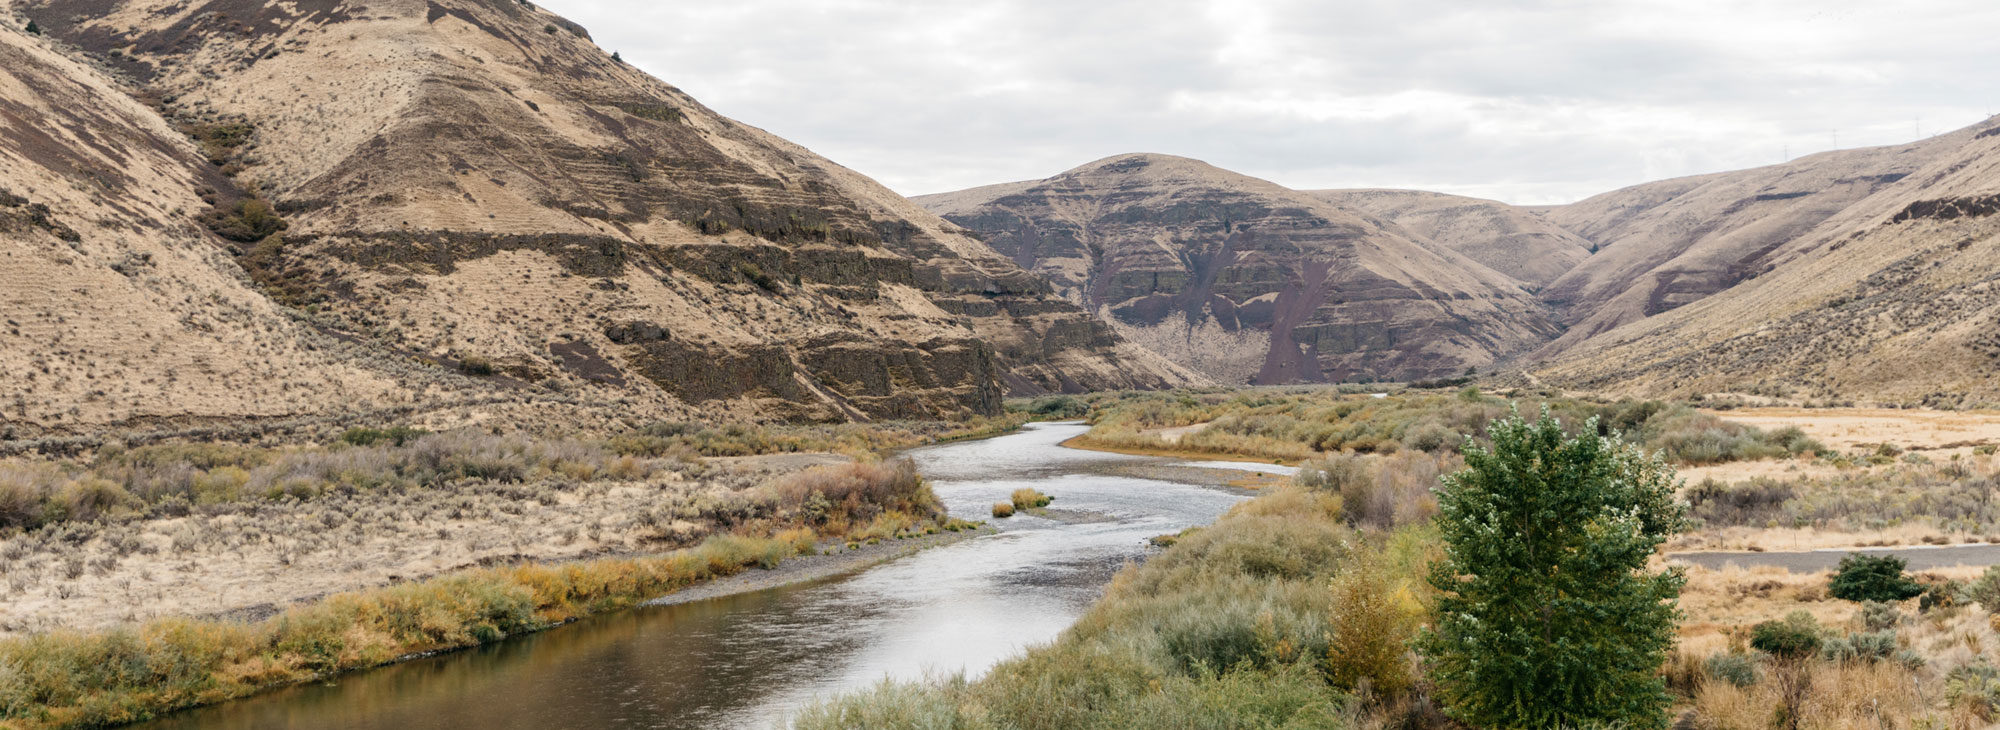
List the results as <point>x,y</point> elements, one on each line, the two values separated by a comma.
<point>1873,578</point>
<point>1547,616</point>
<point>33,29</point>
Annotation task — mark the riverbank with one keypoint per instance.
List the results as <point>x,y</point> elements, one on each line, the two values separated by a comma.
<point>1086,443</point>
<point>135,671</point>
<point>252,560</point>
<point>830,560</point>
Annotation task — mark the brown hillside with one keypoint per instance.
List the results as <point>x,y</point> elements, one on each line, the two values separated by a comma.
<point>1506,238</point>
<point>1247,281</point>
<point>118,307</point>
<point>1665,244</point>
<point>1893,297</point>
<point>475,184</point>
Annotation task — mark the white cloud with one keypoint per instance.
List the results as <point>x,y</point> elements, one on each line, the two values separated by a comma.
<point>1531,101</point>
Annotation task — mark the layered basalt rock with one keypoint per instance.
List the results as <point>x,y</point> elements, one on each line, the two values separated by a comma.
<point>1248,281</point>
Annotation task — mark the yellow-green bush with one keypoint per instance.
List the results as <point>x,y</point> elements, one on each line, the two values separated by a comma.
<point>1029,498</point>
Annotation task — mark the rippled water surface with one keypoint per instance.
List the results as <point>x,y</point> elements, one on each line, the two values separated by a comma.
<point>747,660</point>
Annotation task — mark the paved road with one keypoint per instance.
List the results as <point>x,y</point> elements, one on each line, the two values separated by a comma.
<point>1920,558</point>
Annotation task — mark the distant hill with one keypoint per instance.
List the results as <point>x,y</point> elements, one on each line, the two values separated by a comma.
<point>1863,274</point>
<point>478,205</point>
<point>1508,239</point>
<point>1247,281</point>
<point>1868,274</point>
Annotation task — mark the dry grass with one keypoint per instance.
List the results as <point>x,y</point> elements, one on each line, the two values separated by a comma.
<point>1950,499</point>
<point>66,677</point>
<point>1937,433</point>
<point>118,485</point>
<point>1292,424</point>
<point>1907,690</point>
<point>683,439</point>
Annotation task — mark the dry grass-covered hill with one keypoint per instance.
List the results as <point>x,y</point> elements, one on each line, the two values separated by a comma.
<point>117,305</point>
<point>1867,275</point>
<point>1506,238</point>
<point>1247,281</point>
<point>303,209</point>
<point>1665,244</point>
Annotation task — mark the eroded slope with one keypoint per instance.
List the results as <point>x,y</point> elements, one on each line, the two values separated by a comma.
<point>116,306</point>
<point>1895,297</point>
<point>1505,238</point>
<point>474,183</point>
<point>1248,281</point>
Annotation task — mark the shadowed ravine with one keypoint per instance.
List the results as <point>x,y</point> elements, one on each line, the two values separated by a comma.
<point>747,660</point>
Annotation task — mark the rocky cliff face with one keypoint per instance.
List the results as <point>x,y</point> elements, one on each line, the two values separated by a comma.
<point>1248,281</point>
<point>474,186</point>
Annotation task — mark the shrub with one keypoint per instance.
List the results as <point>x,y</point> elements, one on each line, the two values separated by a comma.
<point>1975,687</point>
<point>476,365</point>
<point>1879,616</point>
<point>20,501</point>
<point>1057,407</point>
<point>1754,502</point>
<point>1003,509</point>
<point>90,499</point>
<point>1564,525</point>
<point>1028,498</point>
<point>1873,645</point>
<point>1334,473</point>
<point>1372,623</point>
<point>757,276</point>
<point>1797,635</point>
<point>1736,669</point>
<point>1873,578</point>
<point>396,435</point>
<point>1942,594</point>
<point>855,492</point>
<point>1985,590</point>
<point>249,220</point>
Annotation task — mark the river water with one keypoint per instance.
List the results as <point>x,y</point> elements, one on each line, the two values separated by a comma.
<point>748,660</point>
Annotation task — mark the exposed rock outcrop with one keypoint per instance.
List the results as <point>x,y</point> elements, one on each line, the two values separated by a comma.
<point>1248,281</point>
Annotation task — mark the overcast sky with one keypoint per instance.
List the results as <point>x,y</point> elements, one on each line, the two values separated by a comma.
<point>1527,102</point>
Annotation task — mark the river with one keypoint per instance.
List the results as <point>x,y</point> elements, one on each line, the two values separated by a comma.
<point>745,661</point>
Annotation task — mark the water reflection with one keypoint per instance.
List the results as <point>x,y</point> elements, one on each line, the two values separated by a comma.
<point>744,661</point>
